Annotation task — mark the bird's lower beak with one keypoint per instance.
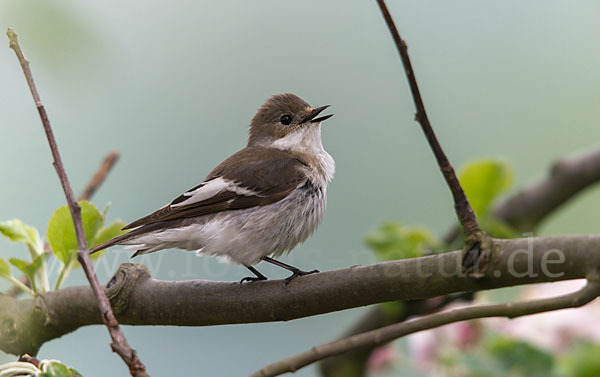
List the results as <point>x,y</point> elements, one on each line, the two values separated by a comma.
<point>312,116</point>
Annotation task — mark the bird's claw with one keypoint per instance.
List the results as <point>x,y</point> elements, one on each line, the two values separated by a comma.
<point>251,279</point>
<point>297,273</point>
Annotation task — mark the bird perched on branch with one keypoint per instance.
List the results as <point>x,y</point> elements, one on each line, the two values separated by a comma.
<point>257,204</point>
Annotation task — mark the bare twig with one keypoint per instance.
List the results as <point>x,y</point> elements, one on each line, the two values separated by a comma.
<point>523,210</point>
<point>119,343</point>
<point>107,164</point>
<point>388,333</point>
<point>354,362</point>
<point>465,213</point>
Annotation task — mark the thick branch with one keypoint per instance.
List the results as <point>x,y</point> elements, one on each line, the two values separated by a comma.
<point>465,213</point>
<point>567,177</point>
<point>385,334</point>
<point>523,211</point>
<point>140,300</point>
<point>119,344</point>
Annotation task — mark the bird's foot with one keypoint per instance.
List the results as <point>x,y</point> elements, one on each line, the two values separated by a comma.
<point>258,276</point>
<point>298,272</point>
<point>252,278</point>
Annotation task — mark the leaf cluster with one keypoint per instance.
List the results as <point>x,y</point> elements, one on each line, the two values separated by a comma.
<point>62,244</point>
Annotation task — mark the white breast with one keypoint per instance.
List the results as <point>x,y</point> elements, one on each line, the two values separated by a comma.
<point>307,140</point>
<point>245,236</point>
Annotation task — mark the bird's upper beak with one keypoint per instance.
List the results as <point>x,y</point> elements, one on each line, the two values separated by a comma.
<point>311,116</point>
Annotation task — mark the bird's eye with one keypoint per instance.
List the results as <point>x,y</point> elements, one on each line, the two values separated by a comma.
<point>285,120</point>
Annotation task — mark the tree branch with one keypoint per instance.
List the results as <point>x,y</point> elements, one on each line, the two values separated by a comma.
<point>100,176</point>
<point>140,300</point>
<point>97,179</point>
<point>119,343</point>
<point>354,362</point>
<point>527,208</point>
<point>465,213</point>
<point>567,177</point>
<point>523,211</point>
<point>386,334</point>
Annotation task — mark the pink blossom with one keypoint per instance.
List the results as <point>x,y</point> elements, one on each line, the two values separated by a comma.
<point>382,358</point>
<point>556,330</point>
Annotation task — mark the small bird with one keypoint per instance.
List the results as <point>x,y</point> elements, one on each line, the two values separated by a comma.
<point>257,204</point>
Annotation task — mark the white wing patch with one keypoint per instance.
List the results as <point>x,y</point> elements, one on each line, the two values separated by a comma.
<point>212,188</point>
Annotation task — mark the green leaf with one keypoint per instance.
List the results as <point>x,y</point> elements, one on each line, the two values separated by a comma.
<point>497,228</point>
<point>61,231</point>
<point>6,274</point>
<point>17,231</point>
<point>105,209</point>
<point>483,180</point>
<point>26,268</point>
<point>74,373</point>
<point>20,264</point>
<point>581,361</point>
<point>393,309</point>
<point>107,233</point>
<point>519,356</point>
<point>29,269</point>
<point>4,269</point>
<point>55,369</point>
<point>481,365</point>
<point>395,241</point>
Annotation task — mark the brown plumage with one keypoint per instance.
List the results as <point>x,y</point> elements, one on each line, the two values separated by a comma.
<point>271,173</point>
<point>257,204</point>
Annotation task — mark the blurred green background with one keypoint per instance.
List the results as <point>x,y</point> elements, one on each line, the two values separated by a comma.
<point>173,85</point>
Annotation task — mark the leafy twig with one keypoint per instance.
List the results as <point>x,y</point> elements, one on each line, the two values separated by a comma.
<point>21,287</point>
<point>388,333</point>
<point>119,344</point>
<point>97,179</point>
<point>62,275</point>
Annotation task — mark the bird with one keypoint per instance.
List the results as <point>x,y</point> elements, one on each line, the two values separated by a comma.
<point>257,204</point>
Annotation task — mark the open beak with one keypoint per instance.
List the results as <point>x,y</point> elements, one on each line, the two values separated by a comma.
<point>311,117</point>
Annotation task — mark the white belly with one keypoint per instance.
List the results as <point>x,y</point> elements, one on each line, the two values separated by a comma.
<point>245,236</point>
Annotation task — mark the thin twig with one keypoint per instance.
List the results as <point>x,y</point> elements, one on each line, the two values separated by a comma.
<point>107,164</point>
<point>389,333</point>
<point>376,318</point>
<point>354,362</point>
<point>523,210</point>
<point>465,213</point>
<point>119,343</point>
<point>90,189</point>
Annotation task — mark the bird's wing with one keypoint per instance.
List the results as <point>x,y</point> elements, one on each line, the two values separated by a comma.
<point>252,177</point>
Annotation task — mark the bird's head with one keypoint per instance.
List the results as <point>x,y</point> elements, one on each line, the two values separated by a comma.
<point>286,121</point>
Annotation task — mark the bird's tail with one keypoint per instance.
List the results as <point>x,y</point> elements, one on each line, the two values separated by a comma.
<point>114,241</point>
